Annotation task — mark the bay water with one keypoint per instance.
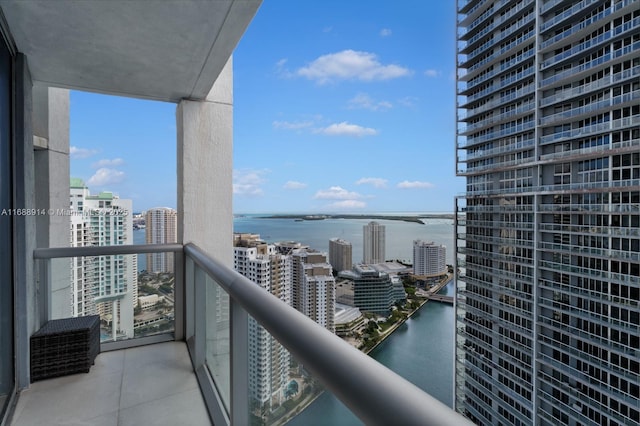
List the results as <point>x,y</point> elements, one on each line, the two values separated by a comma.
<point>421,350</point>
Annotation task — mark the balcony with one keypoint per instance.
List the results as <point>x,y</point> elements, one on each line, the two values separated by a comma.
<point>577,8</point>
<point>199,373</point>
<point>592,65</point>
<point>591,87</point>
<point>151,384</point>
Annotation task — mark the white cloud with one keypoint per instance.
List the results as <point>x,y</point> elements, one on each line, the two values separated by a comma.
<point>385,32</point>
<point>364,101</point>
<point>376,182</point>
<point>336,193</point>
<point>347,129</point>
<point>79,153</point>
<point>292,184</point>
<point>347,204</point>
<point>108,163</point>
<point>248,182</point>
<point>415,184</point>
<point>408,101</point>
<point>106,176</point>
<point>350,65</point>
<point>432,73</point>
<point>292,125</point>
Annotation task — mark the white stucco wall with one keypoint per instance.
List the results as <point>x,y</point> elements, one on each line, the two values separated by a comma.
<point>205,170</point>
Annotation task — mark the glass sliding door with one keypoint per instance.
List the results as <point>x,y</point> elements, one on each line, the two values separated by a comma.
<point>7,366</point>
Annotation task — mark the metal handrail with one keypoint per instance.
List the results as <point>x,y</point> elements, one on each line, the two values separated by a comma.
<point>59,252</point>
<point>374,393</point>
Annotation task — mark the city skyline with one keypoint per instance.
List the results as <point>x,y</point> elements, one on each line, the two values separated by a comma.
<point>347,88</point>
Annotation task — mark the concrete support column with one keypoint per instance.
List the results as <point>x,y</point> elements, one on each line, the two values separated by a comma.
<point>205,169</point>
<point>27,313</point>
<point>205,213</point>
<point>51,156</point>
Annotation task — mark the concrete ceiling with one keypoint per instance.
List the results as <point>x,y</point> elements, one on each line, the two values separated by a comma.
<point>156,49</point>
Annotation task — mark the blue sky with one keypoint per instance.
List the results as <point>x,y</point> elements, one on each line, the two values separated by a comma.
<point>339,106</point>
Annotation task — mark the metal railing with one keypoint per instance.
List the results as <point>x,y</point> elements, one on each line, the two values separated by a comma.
<point>374,393</point>
<point>47,275</point>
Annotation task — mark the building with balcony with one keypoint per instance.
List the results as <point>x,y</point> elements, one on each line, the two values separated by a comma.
<point>268,359</point>
<point>314,287</point>
<point>196,373</point>
<point>82,272</point>
<point>161,227</point>
<point>103,285</point>
<point>340,254</point>
<point>547,245</point>
<point>429,259</point>
<point>373,243</point>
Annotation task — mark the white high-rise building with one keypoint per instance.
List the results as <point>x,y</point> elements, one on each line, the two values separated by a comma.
<point>161,226</point>
<point>268,359</point>
<point>82,268</point>
<point>373,243</point>
<point>104,285</point>
<point>340,254</point>
<point>314,287</point>
<point>429,259</point>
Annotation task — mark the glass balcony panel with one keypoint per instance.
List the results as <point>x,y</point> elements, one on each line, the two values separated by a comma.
<point>282,391</point>
<point>217,335</point>
<point>131,303</point>
<point>566,14</point>
<point>571,72</point>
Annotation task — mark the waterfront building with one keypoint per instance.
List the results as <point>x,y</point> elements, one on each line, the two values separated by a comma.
<point>340,254</point>
<point>268,359</point>
<point>373,291</point>
<point>373,243</point>
<point>348,320</point>
<point>104,285</point>
<point>344,292</point>
<point>429,259</point>
<point>547,244</point>
<point>161,227</point>
<point>314,287</point>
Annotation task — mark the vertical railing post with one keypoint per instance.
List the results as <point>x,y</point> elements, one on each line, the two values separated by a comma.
<point>189,286</point>
<point>43,266</point>
<point>200,318</point>
<point>179,292</point>
<point>239,364</point>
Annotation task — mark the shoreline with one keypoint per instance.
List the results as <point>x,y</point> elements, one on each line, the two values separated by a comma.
<point>383,337</point>
<point>405,218</point>
<point>423,302</point>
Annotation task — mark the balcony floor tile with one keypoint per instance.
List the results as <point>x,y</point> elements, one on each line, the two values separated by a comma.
<point>151,385</point>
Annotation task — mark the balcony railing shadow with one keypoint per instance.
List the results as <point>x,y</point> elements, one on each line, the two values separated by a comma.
<point>211,310</point>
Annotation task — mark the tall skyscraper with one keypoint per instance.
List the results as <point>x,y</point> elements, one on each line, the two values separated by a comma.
<point>161,227</point>
<point>548,244</point>
<point>373,243</point>
<point>82,268</point>
<point>104,285</point>
<point>340,254</point>
<point>268,359</point>
<point>429,259</point>
<point>314,287</point>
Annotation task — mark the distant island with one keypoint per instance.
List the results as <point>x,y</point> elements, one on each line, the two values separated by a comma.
<point>414,218</point>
